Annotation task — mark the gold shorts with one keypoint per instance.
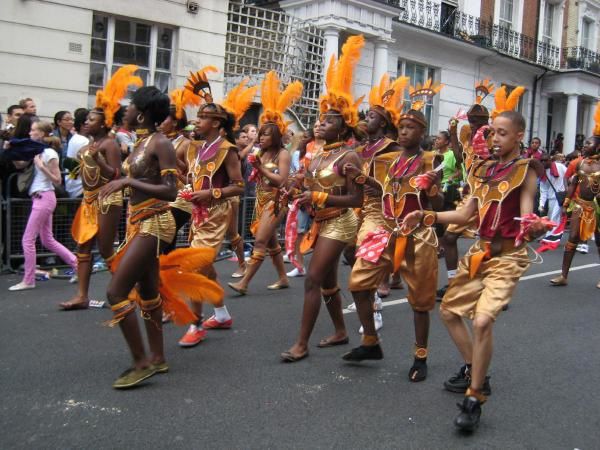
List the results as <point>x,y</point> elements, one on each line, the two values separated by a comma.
<point>182,205</point>
<point>420,269</point>
<point>235,201</point>
<point>161,226</point>
<point>492,286</point>
<point>212,233</point>
<point>342,228</point>
<point>469,230</point>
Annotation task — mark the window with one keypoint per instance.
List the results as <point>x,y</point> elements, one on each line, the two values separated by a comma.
<point>505,18</point>
<point>418,73</point>
<point>586,34</point>
<point>118,41</point>
<point>548,23</point>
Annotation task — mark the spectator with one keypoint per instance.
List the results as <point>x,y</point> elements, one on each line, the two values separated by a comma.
<point>76,143</point>
<point>552,193</point>
<point>63,124</point>
<point>29,106</point>
<point>534,151</point>
<point>12,116</point>
<point>451,171</point>
<point>558,143</point>
<point>124,135</point>
<point>46,174</point>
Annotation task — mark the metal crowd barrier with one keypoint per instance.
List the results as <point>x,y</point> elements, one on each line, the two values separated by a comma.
<point>15,212</point>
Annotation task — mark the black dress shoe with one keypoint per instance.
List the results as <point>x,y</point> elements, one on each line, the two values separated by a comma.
<point>364,352</point>
<point>470,412</point>
<point>460,381</point>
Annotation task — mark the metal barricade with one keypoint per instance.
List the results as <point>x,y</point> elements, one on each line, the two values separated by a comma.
<point>15,213</point>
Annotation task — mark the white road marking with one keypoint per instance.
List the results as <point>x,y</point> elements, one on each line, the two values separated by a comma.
<point>525,278</point>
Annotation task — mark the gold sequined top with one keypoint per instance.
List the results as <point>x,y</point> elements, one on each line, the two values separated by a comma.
<point>91,174</point>
<point>327,179</point>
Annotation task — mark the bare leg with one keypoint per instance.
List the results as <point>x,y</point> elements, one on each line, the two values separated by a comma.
<point>333,301</point>
<point>459,333</point>
<point>482,350</point>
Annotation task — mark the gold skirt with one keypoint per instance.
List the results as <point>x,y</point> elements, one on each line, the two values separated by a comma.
<point>212,232</point>
<point>342,228</point>
<point>161,226</point>
<point>491,288</point>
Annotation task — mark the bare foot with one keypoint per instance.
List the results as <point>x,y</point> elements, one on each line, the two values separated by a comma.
<point>339,338</point>
<point>77,302</point>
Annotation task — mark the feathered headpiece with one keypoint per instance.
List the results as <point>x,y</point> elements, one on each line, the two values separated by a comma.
<point>388,98</point>
<point>504,103</point>
<point>239,99</point>
<point>419,96</point>
<point>597,120</point>
<point>482,90</point>
<point>195,91</point>
<point>275,102</point>
<point>109,99</point>
<point>339,82</point>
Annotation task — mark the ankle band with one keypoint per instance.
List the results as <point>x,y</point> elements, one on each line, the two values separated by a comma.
<point>256,256</point>
<point>369,341</point>
<point>420,352</point>
<point>83,257</point>
<point>330,292</point>
<point>476,393</point>
<point>120,311</point>
<point>235,240</point>
<point>274,251</point>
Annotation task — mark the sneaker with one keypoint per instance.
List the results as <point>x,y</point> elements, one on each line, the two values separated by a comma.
<point>378,318</point>
<point>470,413</point>
<point>22,286</point>
<point>286,259</point>
<point>439,294</point>
<point>296,273</point>
<point>74,279</point>
<point>212,323</point>
<point>192,337</point>
<point>351,307</point>
<point>461,381</point>
<point>583,248</point>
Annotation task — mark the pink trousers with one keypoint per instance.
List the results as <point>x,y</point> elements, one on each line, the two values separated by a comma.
<point>40,224</point>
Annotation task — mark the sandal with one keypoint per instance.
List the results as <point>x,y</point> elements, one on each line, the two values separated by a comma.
<point>559,281</point>
<point>418,372</point>
<point>324,343</point>
<point>277,286</point>
<point>288,357</point>
<point>132,377</point>
<point>239,290</point>
<point>72,306</point>
<point>161,368</point>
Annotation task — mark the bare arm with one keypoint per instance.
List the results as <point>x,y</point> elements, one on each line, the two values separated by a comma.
<point>112,154</point>
<point>528,192</point>
<point>51,170</point>
<point>233,166</point>
<point>454,142</point>
<point>277,179</point>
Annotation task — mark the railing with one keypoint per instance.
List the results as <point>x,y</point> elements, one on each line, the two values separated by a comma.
<point>465,27</point>
<point>580,58</point>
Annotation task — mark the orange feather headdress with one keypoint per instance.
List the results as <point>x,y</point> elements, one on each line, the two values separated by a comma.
<point>238,100</point>
<point>339,82</point>
<point>275,102</point>
<point>504,102</point>
<point>109,99</point>
<point>388,98</point>
<point>420,95</point>
<point>482,90</point>
<point>597,120</point>
<point>195,91</point>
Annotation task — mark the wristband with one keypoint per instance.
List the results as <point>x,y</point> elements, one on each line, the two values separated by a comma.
<point>216,193</point>
<point>360,179</point>
<point>433,191</point>
<point>429,218</point>
<point>319,198</point>
<point>166,172</point>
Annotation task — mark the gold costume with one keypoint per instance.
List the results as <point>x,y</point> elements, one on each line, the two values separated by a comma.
<point>418,265</point>
<point>85,223</point>
<point>339,224</point>
<point>268,198</point>
<point>492,287</point>
<point>179,202</point>
<point>211,233</point>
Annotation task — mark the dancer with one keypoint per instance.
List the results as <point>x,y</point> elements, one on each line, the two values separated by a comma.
<point>332,191</point>
<point>386,102</point>
<point>215,170</point>
<point>271,168</point>
<point>152,179</point>
<point>472,146</point>
<point>408,183</point>
<point>583,202</point>
<point>502,190</point>
<point>99,163</point>
<point>46,174</point>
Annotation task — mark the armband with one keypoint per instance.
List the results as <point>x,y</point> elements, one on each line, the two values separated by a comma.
<point>165,172</point>
<point>319,198</point>
<point>216,193</point>
<point>360,179</point>
<point>429,218</point>
<point>238,183</point>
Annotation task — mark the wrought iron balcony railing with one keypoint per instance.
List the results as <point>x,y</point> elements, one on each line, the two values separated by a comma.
<point>456,24</point>
<point>580,58</point>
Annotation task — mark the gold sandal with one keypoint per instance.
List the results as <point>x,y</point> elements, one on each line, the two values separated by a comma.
<point>277,286</point>
<point>559,281</point>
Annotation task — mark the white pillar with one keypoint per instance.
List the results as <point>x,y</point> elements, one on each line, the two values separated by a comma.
<point>332,44</point>
<point>380,62</point>
<point>570,124</point>
<point>589,130</point>
<point>542,128</point>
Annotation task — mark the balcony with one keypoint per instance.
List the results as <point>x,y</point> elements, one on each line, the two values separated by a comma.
<point>455,24</point>
<point>580,58</point>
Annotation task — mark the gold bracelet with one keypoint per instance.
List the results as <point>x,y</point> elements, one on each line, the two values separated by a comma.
<point>429,218</point>
<point>216,193</point>
<point>165,172</point>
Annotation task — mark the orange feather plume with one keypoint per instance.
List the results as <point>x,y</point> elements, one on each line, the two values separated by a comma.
<point>390,96</point>
<point>109,98</point>
<point>339,82</point>
<point>182,98</point>
<point>239,99</point>
<point>275,102</point>
<point>504,102</point>
<point>597,120</point>
<point>197,83</point>
<point>482,89</point>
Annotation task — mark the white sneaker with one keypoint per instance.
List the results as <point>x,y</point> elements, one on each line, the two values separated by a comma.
<point>378,303</point>
<point>583,248</point>
<point>21,286</point>
<point>378,318</point>
<point>351,307</point>
<point>296,273</point>
<point>286,259</point>
<point>74,279</point>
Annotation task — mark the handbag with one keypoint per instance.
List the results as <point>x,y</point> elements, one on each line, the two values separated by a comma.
<point>25,179</point>
<point>560,196</point>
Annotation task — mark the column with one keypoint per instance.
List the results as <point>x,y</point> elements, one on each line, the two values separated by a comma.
<point>589,130</point>
<point>570,124</point>
<point>542,129</point>
<point>332,44</point>
<point>380,61</point>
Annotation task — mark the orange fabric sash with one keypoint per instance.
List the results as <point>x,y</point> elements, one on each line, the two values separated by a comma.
<point>477,258</point>
<point>587,219</point>
<point>399,251</point>
<point>85,223</point>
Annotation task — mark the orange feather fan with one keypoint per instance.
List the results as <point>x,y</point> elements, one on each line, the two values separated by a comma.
<point>109,98</point>
<point>275,102</point>
<point>338,81</point>
<point>182,98</point>
<point>239,99</point>
<point>197,83</point>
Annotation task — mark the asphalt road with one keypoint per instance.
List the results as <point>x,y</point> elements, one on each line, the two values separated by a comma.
<point>231,392</point>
